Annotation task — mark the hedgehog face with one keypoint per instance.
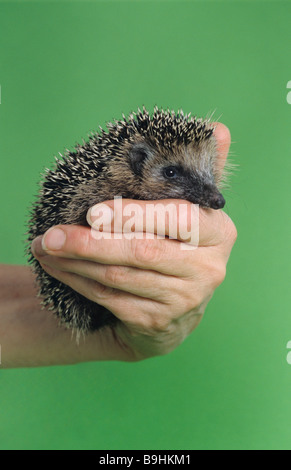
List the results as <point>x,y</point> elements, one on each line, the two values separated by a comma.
<point>175,174</point>
<point>198,188</point>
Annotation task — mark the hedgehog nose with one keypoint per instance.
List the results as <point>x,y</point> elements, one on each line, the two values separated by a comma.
<point>217,201</point>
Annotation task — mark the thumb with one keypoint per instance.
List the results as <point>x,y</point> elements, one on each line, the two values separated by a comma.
<point>223,139</point>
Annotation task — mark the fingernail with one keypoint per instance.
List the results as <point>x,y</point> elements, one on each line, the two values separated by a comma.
<point>100,214</point>
<point>36,247</point>
<point>54,239</point>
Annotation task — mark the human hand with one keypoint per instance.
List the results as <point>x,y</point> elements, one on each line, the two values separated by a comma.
<point>158,291</point>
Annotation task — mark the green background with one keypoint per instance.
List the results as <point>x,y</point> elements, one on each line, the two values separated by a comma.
<point>67,67</point>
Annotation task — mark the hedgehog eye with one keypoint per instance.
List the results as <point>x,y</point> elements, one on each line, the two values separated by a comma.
<point>171,172</point>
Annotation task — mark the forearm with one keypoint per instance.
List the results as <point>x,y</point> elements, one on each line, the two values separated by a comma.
<point>32,337</point>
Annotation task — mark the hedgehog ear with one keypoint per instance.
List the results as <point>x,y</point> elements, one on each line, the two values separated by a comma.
<point>138,154</point>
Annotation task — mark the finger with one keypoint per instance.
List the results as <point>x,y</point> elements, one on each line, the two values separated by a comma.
<point>164,289</point>
<point>126,306</point>
<point>162,256</point>
<point>223,139</point>
<point>78,244</point>
<point>148,284</point>
<point>177,219</point>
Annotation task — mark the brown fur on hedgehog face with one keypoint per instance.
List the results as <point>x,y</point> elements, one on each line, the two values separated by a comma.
<point>182,171</point>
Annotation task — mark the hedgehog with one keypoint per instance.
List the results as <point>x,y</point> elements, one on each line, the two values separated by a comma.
<point>144,156</point>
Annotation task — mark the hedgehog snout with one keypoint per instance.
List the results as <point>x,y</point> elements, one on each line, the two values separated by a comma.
<point>206,195</point>
<point>217,201</point>
<point>212,197</point>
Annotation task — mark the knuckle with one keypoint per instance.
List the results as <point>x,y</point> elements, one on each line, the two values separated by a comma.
<point>231,231</point>
<point>182,298</point>
<point>159,323</point>
<point>211,273</point>
<point>191,300</point>
<point>100,292</point>
<point>153,319</point>
<point>114,275</point>
<point>217,273</point>
<point>147,252</point>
